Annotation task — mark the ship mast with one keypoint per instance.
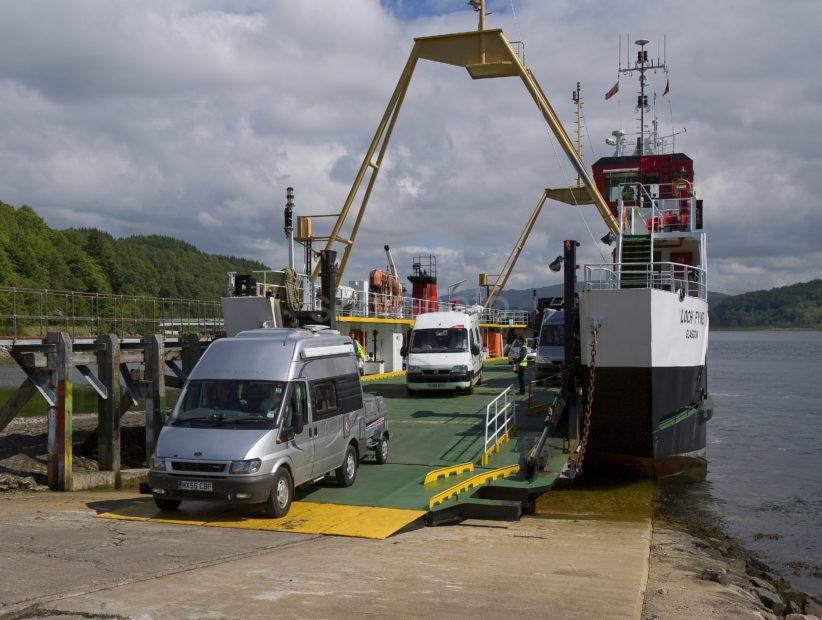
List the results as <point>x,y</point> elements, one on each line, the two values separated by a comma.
<point>576,97</point>
<point>642,65</point>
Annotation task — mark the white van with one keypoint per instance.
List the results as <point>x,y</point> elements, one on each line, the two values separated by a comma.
<point>551,345</point>
<point>444,352</point>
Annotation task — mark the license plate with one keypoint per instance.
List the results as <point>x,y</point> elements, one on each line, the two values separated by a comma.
<point>195,485</point>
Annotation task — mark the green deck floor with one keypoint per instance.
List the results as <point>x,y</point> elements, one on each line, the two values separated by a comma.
<point>436,430</point>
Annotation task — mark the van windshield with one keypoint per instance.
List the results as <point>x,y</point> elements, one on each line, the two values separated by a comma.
<point>229,404</point>
<point>552,336</point>
<point>450,340</point>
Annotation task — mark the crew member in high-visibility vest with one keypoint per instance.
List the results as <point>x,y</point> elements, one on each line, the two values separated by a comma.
<point>521,365</point>
<point>360,352</point>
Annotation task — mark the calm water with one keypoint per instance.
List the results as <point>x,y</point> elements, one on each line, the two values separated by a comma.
<point>764,446</point>
<point>764,443</point>
<point>765,471</point>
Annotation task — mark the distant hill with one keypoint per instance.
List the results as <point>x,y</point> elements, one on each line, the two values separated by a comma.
<point>797,305</point>
<point>36,256</point>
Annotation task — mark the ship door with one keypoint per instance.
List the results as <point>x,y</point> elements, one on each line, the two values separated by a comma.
<point>681,272</point>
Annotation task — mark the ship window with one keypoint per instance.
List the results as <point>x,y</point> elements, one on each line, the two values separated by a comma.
<point>615,181</point>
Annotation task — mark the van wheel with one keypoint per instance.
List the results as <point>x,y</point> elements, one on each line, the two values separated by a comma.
<point>469,390</point>
<point>381,451</point>
<point>167,504</point>
<point>347,472</point>
<point>410,393</point>
<point>282,492</point>
<point>479,381</point>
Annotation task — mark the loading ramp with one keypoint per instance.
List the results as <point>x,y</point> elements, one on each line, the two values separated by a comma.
<point>430,435</point>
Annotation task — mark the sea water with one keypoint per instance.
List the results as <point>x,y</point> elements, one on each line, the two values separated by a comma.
<point>764,479</point>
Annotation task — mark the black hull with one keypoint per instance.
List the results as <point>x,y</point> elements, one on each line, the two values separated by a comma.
<point>649,422</point>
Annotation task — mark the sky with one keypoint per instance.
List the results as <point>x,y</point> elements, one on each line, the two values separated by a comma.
<point>190,119</point>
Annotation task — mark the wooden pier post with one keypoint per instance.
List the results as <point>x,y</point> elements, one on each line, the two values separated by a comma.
<point>190,351</point>
<point>60,415</point>
<point>108,440</point>
<point>156,397</point>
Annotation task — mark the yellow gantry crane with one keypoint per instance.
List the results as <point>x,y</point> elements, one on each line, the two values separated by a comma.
<point>578,195</point>
<point>484,54</point>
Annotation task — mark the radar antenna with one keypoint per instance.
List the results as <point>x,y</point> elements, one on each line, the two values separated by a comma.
<point>642,65</point>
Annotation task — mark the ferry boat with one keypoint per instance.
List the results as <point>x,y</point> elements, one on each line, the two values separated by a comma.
<point>643,318</point>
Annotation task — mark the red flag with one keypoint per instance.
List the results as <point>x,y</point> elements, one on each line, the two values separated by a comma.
<point>614,90</point>
<point>667,87</point>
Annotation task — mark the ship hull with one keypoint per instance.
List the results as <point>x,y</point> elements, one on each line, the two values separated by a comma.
<point>651,405</point>
<point>649,422</point>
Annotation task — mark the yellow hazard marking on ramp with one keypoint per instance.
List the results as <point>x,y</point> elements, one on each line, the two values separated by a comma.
<point>303,518</point>
<point>494,449</point>
<point>445,472</point>
<point>470,483</point>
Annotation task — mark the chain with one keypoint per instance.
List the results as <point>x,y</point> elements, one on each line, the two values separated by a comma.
<point>589,405</point>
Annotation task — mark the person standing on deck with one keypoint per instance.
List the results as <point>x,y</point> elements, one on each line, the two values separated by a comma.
<point>360,352</point>
<point>521,365</point>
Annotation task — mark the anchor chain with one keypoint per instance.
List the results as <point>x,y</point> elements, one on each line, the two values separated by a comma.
<point>589,405</point>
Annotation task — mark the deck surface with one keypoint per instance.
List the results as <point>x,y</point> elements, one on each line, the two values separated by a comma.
<point>427,432</point>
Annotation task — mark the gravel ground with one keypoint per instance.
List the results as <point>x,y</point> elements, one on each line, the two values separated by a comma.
<point>699,577</point>
<point>24,447</point>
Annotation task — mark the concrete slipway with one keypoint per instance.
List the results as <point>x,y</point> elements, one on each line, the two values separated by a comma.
<point>58,559</point>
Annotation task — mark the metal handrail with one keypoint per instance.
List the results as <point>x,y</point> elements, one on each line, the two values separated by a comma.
<point>379,305</point>
<point>502,419</point>
<point>667,276</point>
<point>656,214</point>
<point>30,312</point>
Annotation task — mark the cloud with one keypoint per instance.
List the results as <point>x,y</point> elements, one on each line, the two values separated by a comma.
<point>190,119</point>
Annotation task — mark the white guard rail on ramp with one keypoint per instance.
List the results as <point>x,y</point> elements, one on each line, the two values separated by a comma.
<point>500,415</point>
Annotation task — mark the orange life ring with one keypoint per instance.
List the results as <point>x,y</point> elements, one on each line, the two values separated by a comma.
<point>681,186</point>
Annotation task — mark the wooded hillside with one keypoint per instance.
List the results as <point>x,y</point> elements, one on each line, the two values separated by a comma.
<point>34,255</point>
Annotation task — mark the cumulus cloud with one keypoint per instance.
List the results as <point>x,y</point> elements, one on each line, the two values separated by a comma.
<point>190,119</point>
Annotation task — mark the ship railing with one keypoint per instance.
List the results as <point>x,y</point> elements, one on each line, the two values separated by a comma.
<point>652,214</point>
<point>33,313</point>
<point>674,277</point>
<point>272,282</point>
<point>500,416</point>
<point>354,303</point>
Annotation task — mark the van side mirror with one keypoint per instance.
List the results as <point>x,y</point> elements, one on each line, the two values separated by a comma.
<point>404,351</point>
<point>297,422</point>
<point>475,348</point>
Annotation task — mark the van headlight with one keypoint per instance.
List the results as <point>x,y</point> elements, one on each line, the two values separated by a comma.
<point>461,368</point>
<point>413,369</point>
<point>246,467</point>
<point>158,463</point>
<point>542,360</point>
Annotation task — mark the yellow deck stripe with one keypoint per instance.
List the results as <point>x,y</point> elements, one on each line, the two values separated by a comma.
<point>382,375</point>
<point>473,481</point>
<point>444,472</point>
<point>304,518</point>
<point>373,319</point>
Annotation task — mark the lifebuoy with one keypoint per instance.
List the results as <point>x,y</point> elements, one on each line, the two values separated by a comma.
<point>681,186</point>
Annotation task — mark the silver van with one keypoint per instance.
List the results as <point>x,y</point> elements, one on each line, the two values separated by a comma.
<point>551,345</point>
<point>263,413</point>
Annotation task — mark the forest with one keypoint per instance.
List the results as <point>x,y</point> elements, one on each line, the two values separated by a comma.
<point>797,305</point>
<point>33,255</point>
